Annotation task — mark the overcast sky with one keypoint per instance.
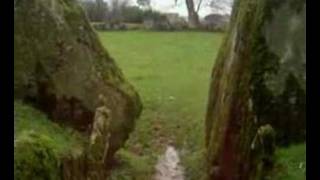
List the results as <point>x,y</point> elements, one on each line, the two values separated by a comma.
<point>169,6</point>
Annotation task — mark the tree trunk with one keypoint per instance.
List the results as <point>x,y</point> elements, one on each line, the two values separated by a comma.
<point>193,17</point>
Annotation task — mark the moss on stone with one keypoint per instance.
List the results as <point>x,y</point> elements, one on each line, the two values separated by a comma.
<point>40,145</point>
<point>57,35</point>
<point>61,67</point>
<point>34,158</point>
<point>241,98</point>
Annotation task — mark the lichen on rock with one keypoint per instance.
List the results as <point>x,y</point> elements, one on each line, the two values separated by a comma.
<point>100,134</point>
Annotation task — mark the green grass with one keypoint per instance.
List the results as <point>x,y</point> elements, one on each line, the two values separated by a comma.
<point>171,72</point>
<point>132,166</point>
<point>31,121</point>
<point>291,163</point>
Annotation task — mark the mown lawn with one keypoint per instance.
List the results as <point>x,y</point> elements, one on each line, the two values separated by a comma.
<point>171,72</point>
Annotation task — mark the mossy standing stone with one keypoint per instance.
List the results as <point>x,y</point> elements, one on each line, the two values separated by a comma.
<point>258,79</point>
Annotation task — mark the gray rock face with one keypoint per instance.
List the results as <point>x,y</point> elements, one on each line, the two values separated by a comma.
<point>258,79</point>
<point>61,67</point>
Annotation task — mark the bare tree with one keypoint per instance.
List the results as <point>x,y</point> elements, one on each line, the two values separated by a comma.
<point>116,9</point>
<point>101,9</point>
<point>96,10</point>
<point>193,8</point>
<point>193,17</point>
<point>200,3</point>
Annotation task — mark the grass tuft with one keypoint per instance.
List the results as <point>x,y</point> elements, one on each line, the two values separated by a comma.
<point>291,163</point>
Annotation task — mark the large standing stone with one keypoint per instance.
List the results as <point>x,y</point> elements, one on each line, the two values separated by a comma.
<point>258,79</point>
<point>61,67</point>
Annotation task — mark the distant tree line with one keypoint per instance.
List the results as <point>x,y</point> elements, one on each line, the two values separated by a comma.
<point>96,10</point>
<point>117,14</point>
<point>118,11</point>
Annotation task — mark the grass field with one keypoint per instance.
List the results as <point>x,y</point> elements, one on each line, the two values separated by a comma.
<point>171,72</point>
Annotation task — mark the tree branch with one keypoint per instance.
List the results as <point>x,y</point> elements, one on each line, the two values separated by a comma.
<point>199,6</point>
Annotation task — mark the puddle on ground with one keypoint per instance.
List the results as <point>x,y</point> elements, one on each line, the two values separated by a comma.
<point>168,166</point>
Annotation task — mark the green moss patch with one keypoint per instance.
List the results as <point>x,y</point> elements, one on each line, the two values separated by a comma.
<point>291,163</point>
<point>34,157</point>
<point>132,166</point>
<point>39,144</point>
